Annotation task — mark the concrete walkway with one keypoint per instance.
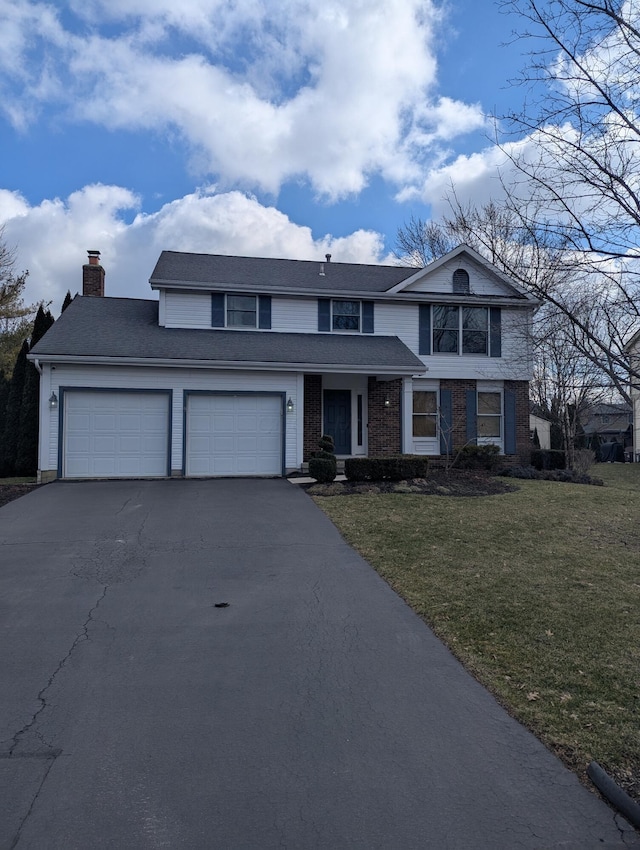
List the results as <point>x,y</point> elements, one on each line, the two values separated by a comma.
<point>315,710</point>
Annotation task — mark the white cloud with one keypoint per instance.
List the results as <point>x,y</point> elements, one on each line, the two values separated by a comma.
<point>52,238</point>
<point>332,93</point>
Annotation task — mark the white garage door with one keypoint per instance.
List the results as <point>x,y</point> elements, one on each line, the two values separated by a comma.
<point>234,435</point>
<point>115,434</point>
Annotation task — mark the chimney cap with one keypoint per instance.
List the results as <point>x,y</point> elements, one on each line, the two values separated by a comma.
<point>328,257</point>
<point>94,258</point>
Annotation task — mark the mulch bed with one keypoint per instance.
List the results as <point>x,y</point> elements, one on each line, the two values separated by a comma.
<point>9,492</point>
<point>439,483</point>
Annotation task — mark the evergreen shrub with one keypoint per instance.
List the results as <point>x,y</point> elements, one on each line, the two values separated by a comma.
<point>396,468</point>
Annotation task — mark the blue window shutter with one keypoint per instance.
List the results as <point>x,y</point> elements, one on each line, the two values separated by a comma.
<point>509,422</point>
<point>446,420</point>
<point>264,312</point>
<point>472,416</point>
<point>367,317</point>
<point>424,332</point>
<point>495,332</point>
<point>217,309</point>
<point>324,314</point>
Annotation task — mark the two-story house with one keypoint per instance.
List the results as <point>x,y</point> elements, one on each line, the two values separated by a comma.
<point>242,363</point>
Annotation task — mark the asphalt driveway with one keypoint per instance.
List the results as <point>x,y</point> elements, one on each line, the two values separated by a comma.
<point>315,710</point>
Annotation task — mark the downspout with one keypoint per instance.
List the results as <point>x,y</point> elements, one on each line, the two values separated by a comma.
<point>36,363</point>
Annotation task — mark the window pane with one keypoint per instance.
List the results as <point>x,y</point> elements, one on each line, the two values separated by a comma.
<point>346,323</point>
<point>489,403</point>
<point>241,311</point>
<point>346,315</point>
<point>241,302</point>
<point>346,308</point>
<point>475,318</point>
<point>424,402</point>
<point>445,341</point>
<point>489,426</point>
<point>445,317</point>
<point>474,342</point>
<point>424,426</point>
<point>241,319</point>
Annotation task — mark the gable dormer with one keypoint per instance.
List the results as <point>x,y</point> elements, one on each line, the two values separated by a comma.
<point>460,272</point>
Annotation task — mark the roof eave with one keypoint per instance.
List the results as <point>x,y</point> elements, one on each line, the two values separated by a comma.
<point>237,365</point>
<point>360,294</point>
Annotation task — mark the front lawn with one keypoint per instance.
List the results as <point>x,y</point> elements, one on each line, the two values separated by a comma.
<point>536,591</point>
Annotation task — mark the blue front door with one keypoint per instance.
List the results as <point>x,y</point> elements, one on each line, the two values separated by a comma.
<point>337,419</point>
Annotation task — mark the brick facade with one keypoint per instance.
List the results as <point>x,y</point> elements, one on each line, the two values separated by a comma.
<point>385,422</point>
<point>385,437</point>
<point>458,411</point>
<point>312,427</point>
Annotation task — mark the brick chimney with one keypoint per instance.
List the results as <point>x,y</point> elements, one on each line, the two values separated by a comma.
<point>93,276</point>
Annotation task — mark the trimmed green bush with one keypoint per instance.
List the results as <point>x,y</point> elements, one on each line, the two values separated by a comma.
<point>486,458</point>
<point>548,459</point>
<point>323,465</point>
<point>323,469</point>
<point>397,468</point>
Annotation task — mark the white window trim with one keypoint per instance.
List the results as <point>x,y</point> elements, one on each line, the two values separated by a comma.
<point>228,295</point>
<point>346,330</point>
<point>460,352</point>
<point>491,387</point>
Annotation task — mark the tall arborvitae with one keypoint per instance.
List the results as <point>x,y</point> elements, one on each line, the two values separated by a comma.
<point>67,300</point>
<point>4,397</point>
<point>26,461</point>
<point>12,417</point>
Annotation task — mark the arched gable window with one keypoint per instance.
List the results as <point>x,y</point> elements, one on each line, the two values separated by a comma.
<point>460,282</point>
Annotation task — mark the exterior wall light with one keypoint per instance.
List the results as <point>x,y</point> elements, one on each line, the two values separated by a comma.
<point>53,401</point>
<point>289,405</point>
<point>387,403</point>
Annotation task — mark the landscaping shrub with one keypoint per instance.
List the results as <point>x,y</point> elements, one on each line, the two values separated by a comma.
<point>478,457</point>
<point>397,468</point>
<point>548,459</point>
<point>323,465</point>
<point>568,476</point>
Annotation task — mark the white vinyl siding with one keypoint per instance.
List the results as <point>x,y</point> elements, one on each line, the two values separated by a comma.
<point>294,315</point>
<point>193,310</point>
<point>115,434</point>
<point>481,281</point>
<point>187,309</point>
<point>178,380</point>
<point>234,435</point>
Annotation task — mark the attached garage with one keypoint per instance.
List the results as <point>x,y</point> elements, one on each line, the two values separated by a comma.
<point>115,434</point>
<point>234,434</point>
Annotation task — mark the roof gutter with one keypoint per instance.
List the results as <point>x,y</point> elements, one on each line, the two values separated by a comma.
<point>236,365</point>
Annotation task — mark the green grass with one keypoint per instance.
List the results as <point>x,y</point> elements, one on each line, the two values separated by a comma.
<point>537,592</point>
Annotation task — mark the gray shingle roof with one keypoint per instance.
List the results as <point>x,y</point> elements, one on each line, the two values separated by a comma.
<point>177,269</point>
<point>128,328</point>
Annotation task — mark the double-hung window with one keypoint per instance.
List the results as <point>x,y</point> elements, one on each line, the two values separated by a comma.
<point>345,315</point>
<point>475,330</point>
<point>425,414</point>
<point>460,330</point>
<point>446,329</point>
<point>242,311</point>
<point>489,416</point>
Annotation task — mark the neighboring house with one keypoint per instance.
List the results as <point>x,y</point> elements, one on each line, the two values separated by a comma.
<point>632,348</point>
<point>612,423</point>
<point>242,363</point>
<point>538,421</point>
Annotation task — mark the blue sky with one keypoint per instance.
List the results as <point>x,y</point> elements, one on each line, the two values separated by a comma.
<point>289,128</point>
